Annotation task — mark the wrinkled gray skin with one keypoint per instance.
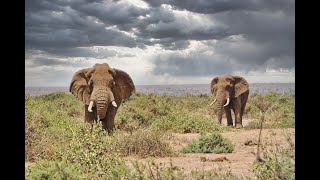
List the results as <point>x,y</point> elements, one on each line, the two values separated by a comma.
<point>235,88</point>
<point>105,87</point>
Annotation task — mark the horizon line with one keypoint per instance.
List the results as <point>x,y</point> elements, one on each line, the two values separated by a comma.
<point>182,84</point>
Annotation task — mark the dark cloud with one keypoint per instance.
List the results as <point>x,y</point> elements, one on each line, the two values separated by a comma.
<point>98,53</point>
<point>264,36</point>
<point>192,65</point>
<point>251,39</point>
<point>219,62</point>
<point>54,62</point>
<point>163,24</point>
<point>111,13</point>
<point>240,36</point>
<point>216,6</point>
<point>61,24</point>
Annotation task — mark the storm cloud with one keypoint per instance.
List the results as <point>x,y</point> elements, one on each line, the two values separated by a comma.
<point>177,38</point>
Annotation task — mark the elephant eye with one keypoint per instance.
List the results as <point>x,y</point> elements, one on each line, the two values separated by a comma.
<point>229,85</point>
<point>112,83</point>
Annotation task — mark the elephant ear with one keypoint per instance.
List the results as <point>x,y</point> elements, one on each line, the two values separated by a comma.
<point>241,85</point>
<point>124,86</point>
<point>79,85</point>
<point>213,85</point>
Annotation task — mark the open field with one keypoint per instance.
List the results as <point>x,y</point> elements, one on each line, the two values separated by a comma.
<point>151,130</point>
<point>194,89</point>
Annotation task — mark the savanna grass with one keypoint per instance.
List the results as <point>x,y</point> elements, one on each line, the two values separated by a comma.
<point>50,122</point>
<point>56,139</point>
<point>143,143</point>
<point>278,161</point>
<point>180,114</point>
<point>278,110</point>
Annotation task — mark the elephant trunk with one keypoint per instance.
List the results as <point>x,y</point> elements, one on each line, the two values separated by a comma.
<point>222,100</point>
<point>220,110</point>
<point>102,98</point>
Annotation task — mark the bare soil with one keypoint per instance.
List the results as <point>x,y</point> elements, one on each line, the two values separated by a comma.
<point>238,162</point>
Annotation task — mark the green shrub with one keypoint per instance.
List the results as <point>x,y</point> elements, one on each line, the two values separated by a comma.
<point>213,142</point>
<point>49,124</point>
<point>278,109</point>
<point>181,114</point>
<point>54,170</point>
<point>192,113</point>
<point>91,151</point>
<point>187,123</point>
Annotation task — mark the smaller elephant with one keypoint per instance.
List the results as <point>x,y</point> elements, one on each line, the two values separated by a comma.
<point>230,92</point>
<point>101,88</point>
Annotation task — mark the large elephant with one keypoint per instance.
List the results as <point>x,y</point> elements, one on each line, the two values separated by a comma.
<point>102,89</point>
<point>231,92</point>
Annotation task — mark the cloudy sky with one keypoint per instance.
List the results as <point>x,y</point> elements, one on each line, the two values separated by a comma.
<point>160,41</point>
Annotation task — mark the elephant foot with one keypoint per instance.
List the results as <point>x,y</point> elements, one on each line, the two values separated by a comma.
<point>238,126</point>
<point>230,125</point>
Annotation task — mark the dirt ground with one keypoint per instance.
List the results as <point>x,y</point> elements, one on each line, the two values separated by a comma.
<point>238,162</point>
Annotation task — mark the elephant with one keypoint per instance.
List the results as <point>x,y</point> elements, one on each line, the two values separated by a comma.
<point>102,89</point>
<point>230,92</point>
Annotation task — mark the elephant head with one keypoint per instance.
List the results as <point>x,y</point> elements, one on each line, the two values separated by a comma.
<point>225,88</point>
<point>101,86</point>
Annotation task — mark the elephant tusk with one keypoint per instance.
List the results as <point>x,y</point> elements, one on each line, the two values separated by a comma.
<point>213,102</point>
<point>114,104</point>
<point>90,106</point>
<point>228,100</point>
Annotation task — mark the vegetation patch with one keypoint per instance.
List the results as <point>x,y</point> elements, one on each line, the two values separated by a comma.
<point>278,162</point>
<point>48,125</point>
<point>60,147</point>
<point>179,114</point>
<point>278,110</point>
<point>211,143</point>
<point>143,143</point>
<point>218,173</point>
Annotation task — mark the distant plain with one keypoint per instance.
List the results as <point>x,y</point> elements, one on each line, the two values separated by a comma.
<point>194,89</point>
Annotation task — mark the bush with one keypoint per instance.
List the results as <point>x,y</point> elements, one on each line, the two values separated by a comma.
<point>277,108</point>
<point>54,170</point>
<point>185,123</point>
<point>180,114</point>
<point>279,162</point>
<point>192,113</point>
<point>213,142</point>
<point>49,125</point>
<point>143,143</point>
<point>91,151</point>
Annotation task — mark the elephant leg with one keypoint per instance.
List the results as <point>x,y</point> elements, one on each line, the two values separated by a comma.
<point>108,122</point>
<point>228,115</point>
<point>237,113</point>
<point>238,119</point>
<point>244,99</point>
<point>242,111</point>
